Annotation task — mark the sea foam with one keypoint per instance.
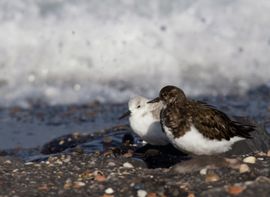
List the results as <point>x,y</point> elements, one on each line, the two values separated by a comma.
<point>78,51</point>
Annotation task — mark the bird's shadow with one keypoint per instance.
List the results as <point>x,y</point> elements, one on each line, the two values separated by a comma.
<point>160,156</point>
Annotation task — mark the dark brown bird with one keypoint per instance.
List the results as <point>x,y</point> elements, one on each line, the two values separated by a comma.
<point>197,127</point>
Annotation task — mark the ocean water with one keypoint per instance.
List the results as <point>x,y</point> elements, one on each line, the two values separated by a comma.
<point>64,51</point>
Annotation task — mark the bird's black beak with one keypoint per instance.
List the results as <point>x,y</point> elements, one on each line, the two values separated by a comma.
<point>155,100</point>
<point>124,115</point>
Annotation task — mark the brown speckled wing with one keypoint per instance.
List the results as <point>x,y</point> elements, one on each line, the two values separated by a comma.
<point>215,124</point>
<point>175,118</point>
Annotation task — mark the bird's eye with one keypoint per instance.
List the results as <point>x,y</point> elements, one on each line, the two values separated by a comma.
<point>138,106</point>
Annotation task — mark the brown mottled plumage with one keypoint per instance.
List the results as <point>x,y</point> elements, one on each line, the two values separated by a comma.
<point>197,127</point>
<point>180,113</point>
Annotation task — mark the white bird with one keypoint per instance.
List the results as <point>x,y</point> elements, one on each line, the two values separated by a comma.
<point>144,119</point>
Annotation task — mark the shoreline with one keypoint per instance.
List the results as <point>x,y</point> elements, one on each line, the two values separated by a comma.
<point>81,150</point>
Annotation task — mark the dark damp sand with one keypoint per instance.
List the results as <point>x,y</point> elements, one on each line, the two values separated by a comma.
<point>92,160</point>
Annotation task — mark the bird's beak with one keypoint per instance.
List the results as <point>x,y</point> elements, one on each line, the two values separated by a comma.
<point>155,100</point>
<point>124,115</point>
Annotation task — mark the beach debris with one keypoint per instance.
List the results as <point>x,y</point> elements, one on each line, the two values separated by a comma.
<point>78,184</point>
<point>250,159</point>
<point>244,168</point>
<point>128,165</point>
<point>109,191</point>
<point>212,177</point>
<point>235,189</point>
<point>203,171</point>
<point>141,193</point>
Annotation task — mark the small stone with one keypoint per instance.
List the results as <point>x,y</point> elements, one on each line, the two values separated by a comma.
<point>61,142</point>
<point>191,194</point>
<point>43,187</point>
<point>212,177</point>
<point>128,165</point>
<point>250,159</point>
<point>109,191</point>
<point>244,168</point>
<point>268,153</point>
<point>235,166</point>
<point>78,184</point>
<point>235,190</point>
<point>152,194</point>
<point>111,164</point>
<point>203,171</point>
<point>58,161</point>
<point>7,162</point>
<point>67,185</point>
<point>100,178</point>
<point>232,161</point>
<point>185,186</point>
<point>141,193</point>
<point>128,155</point>
<point>28,163</point>
<point>261,154</point>
<point>67,159</point>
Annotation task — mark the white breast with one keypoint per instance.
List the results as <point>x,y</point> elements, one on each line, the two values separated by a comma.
<point>193,141</point>
<point>148,128</point>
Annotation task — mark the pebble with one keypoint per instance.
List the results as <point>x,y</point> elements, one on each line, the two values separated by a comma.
<point>67,185</point>
<point>212,177</point>
<point>244,168</point>
<point>203,171</point>
<point>250,159</point>
<point>43,187</point>
<point>128,165</point>
<point>235,190</point>
<point>262,154</point>
<point>111,164</point>
<point>152,194</point>
<point>141,193</point>
<point>28,163</point>
<point>191,194</point>
<point>100,178</point>
<point>61,142</point>
<point>67,159</point>
<point>8,162</point>
<point>128,155</point>
<point>109,191</point>
<point>59,162</point>
<point>78,184</point>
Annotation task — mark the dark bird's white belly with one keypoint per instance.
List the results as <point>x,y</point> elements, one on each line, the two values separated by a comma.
<point>194,142</point>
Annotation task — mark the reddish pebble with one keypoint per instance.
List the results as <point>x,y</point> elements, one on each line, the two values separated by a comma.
<point>151,194</point>
<point>100,178</point>
<point>191,194</point>
<point>235,190</point>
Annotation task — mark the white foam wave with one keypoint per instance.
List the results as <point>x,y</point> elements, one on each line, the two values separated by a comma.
<point>66,51</point>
